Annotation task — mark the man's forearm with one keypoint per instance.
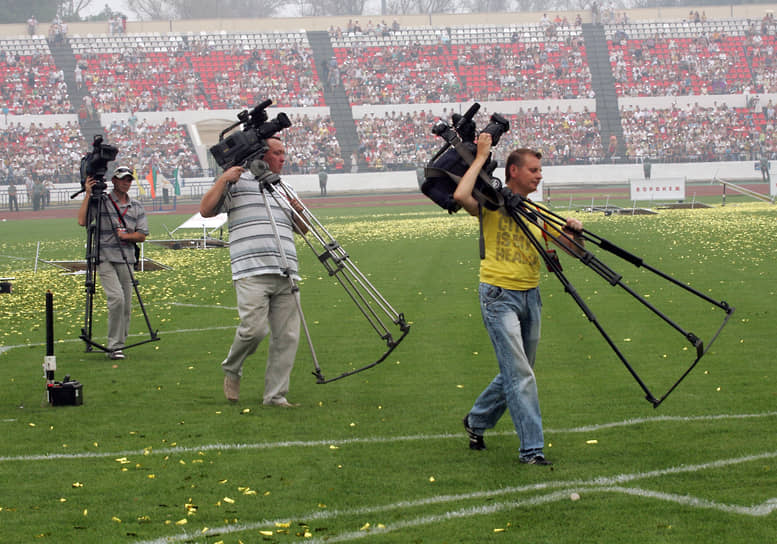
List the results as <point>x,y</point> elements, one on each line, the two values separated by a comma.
<point>213,199</point>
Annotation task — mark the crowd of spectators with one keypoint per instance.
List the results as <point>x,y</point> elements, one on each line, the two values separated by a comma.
<point>136,80</point>
<point>401,140</point>
<point>708,61</point>
<point>198,76</point>
<point>408,74</point>
<point>667,66</point>
<point>143,145</point>
<point>520,71</point>
<point>397,140</point>
<point>311,145</point>
<point>235,78</point>
<point>32,84</point>
<point>416,73</point>
<point>36,154</point>
<point>761,50</point>
<point>563,136</point>
<point>699,133</point>
<point>370,29</point>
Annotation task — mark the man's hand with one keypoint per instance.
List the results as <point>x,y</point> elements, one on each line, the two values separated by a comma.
<point>88,185</point>
<point>300,223</point>
<point>232,175</point>
<point>573,226</point>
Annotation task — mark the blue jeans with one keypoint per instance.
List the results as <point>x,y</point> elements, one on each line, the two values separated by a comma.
<point>512,319</point>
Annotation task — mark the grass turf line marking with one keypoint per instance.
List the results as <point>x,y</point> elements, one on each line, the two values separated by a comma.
<point>3,349</point>
<point>598,485</point>
<point>351,441</point>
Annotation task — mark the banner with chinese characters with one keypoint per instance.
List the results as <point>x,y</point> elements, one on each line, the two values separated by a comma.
<point>657,189</point>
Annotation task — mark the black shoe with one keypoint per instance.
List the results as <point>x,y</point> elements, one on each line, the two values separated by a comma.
<point>475,440</point>
<point>536,460</point>
<point>116,355</point>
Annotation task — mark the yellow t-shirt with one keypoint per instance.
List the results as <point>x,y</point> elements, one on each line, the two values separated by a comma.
<point>511,262</point>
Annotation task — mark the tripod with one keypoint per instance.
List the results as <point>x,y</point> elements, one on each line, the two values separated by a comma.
<point>98,223</point>
<point>372,305</point>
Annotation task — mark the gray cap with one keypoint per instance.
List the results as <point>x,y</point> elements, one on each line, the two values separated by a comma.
<point>123,172</point>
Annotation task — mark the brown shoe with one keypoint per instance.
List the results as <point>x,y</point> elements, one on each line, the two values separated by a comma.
<point>231,388</point>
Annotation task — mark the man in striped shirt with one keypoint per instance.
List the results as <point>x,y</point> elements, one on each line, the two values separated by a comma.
<point>266,296</point>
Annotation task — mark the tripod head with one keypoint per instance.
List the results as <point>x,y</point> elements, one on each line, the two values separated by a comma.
<point>261,171</point>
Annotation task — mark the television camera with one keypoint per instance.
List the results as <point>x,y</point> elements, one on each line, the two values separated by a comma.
<point>95,163</point>
<point>453,159</point>
<point>239,148</point>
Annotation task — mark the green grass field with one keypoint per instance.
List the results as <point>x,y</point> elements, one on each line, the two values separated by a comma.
<point>155,453</point>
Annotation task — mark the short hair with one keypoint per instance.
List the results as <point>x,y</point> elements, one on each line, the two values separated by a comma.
<point>516,158</point>
<point>273,137</point>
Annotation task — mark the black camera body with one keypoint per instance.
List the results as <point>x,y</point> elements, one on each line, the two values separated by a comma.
<point>438,185</point>
<point>240,147</point>
<point>496,126</point>
<point>95,163</point>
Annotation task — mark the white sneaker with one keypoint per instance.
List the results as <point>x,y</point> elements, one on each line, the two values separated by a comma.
<point>281,402</point>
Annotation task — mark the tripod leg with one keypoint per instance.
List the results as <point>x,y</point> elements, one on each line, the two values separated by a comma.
<point>98,211</point>
<point>287,272</point>
<point>303,322</point>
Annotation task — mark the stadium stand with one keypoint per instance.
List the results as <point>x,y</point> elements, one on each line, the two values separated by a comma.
<point>153,72</point>
<point>462,64</point>
<point>698,133</point>
<point>30,82</point>
<point>545,77</point>
<point>166,146</point>
<point>30,151</point>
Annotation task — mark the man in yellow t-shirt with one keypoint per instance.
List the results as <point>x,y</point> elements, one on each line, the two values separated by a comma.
<point>510,302</point>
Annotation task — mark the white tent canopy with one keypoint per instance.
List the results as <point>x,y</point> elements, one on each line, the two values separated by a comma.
<point>197,221</point>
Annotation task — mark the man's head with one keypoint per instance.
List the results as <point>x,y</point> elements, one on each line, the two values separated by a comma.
<point>122,179</point>
<point>523,171</point>
<point>275,155</point>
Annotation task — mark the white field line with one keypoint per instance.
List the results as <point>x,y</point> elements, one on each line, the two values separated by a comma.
<point>354,441</point>
<point>562,491</point>
<point>3,349</point>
